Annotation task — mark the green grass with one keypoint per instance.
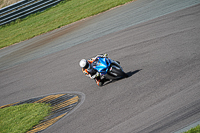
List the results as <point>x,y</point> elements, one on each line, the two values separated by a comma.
<point>194,130</point>
<point>21,118</point>
<point>64,13</point>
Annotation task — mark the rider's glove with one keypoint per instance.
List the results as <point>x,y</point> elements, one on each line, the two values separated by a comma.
<point>101,55</point>
<point>105,55</point>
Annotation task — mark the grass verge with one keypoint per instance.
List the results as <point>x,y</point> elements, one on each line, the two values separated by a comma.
<point>21,118</point>
<point>64,13</point>
<point>194,130</point>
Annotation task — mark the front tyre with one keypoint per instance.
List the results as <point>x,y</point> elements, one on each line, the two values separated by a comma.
<point>117,72</point>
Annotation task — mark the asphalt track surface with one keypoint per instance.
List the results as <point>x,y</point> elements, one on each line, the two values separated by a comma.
<point>161,95</point>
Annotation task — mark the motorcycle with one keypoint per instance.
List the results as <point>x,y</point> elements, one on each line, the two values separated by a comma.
<point>108,68</point>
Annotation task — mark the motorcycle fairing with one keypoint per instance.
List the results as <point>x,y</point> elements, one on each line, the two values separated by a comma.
<point>102,65</point>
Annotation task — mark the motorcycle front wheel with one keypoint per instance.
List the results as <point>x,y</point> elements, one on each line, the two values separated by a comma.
<point>116,73</point>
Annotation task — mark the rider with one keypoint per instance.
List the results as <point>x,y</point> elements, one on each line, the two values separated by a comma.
<point>88,70</point>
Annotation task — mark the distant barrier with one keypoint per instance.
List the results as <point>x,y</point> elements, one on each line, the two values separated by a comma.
<point>24,8</point>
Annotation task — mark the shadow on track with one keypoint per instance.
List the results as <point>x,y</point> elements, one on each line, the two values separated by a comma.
<point>131,73</point>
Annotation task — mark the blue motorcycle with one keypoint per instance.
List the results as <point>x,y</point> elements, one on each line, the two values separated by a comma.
<point>108,68</point>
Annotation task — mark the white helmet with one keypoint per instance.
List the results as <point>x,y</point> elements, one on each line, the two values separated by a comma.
<point>84,64</point>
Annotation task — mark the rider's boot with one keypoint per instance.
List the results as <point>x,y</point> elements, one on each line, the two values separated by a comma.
<point>99,82</point>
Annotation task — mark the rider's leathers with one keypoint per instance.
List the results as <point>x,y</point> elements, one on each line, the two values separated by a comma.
<point>91,72</point>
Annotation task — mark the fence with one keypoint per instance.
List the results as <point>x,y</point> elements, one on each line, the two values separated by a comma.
<point>24,8</point>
